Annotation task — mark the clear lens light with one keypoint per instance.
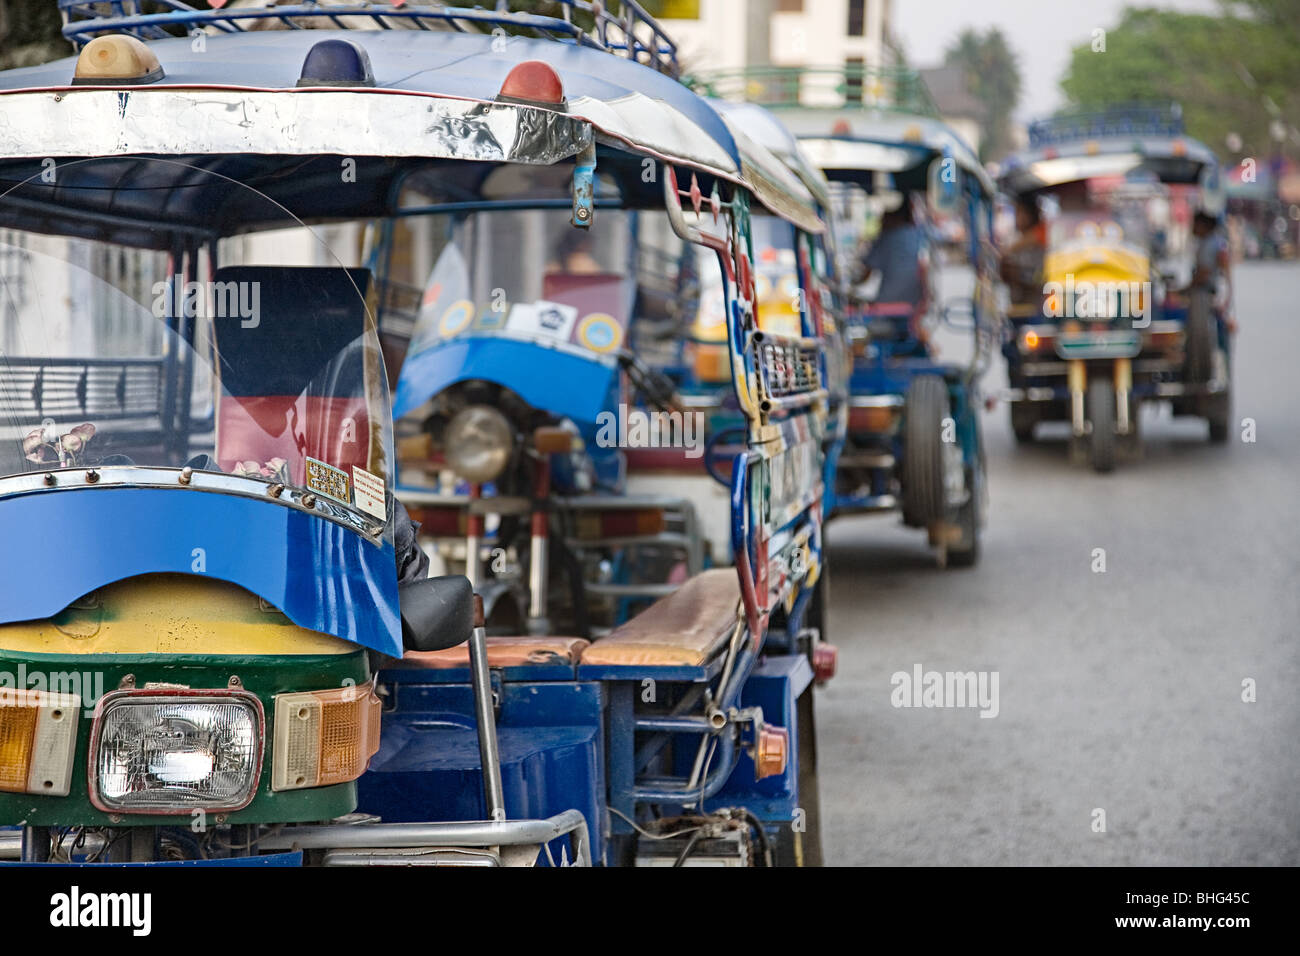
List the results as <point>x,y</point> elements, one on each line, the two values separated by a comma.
<point>174,753</point>
<point>478,441</point>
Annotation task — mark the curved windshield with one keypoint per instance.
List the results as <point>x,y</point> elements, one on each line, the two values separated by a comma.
<point>1099,226</point>
<point>528,273</point>
<point>256,357</point>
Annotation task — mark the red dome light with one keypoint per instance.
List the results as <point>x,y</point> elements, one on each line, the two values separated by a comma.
<point>533,82</point>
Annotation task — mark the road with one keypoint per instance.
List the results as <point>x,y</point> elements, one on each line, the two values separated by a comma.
<point>1119,690</point>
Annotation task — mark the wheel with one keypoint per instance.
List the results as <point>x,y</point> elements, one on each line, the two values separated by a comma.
<point>925,407</point>
<point>1198,365</point>
<point>1218,412</point>
<point>966,553</point>
<point>1101,412</point>
<point>803,846</point>
<point>1024,416</point>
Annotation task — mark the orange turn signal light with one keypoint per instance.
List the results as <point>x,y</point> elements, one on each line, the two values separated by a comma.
<point>771,751</point>
<point>324,737</point>
<point>551,440</point>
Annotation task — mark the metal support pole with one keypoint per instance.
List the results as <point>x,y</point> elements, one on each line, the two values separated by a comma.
<point>484,713</point>
<point>1077,377</point>
<point>538,549</point>
<point>474,527</point>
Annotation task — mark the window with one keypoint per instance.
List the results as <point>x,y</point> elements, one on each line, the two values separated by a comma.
<point>854,67</point>
<point>857,17</point>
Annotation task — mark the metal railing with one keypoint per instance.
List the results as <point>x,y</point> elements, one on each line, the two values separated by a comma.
<point>621,27</point>
<point>896,89</point>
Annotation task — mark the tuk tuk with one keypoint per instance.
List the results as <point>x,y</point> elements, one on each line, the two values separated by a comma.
<point>797,293</point>
<point>1099,326</point>
<point>226,645</point>
<point>912,433</point>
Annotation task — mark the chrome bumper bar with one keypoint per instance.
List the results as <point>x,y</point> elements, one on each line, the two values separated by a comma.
<point>470,833</point>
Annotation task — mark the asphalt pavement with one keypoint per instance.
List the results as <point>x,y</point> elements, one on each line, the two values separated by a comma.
<point>1120,690</point>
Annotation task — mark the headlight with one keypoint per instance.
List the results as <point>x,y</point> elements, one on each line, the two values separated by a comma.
<point>171,752</point>
<point>477,443</point>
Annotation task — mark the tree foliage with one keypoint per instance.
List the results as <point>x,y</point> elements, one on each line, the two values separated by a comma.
<point>992,74</point>
<point>1237,72</point>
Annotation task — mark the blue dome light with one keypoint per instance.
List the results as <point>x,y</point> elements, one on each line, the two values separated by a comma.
<point>336,63</point>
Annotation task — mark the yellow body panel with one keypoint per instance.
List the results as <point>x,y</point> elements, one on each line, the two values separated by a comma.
<point>169,614</point>
<point>1099,263</point>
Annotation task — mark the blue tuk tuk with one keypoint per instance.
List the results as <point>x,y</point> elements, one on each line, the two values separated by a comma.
<point>913,439</point>
<point>199,398</point>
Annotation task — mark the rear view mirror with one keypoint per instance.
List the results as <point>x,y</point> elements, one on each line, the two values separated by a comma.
<point>437,613</point>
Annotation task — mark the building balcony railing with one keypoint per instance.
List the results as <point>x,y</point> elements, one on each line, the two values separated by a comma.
<point>852,86</point>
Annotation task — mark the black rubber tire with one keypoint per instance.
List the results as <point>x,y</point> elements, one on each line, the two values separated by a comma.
<point>1198,364</point>
<point>969,518</point>
<point>1218,412</point>
<point>1024,416</point>
<point>926,406</point>
<point>804,848</point>
<point>1101,412</point>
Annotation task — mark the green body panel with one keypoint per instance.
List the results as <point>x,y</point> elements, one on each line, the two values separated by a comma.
<point>261,675</point>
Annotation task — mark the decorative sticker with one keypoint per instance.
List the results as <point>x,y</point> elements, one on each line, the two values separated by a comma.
<point>372,496</point>
<point>329,481</point>
<point>490,319</point>
<point>551,319</point>
<point>456,319</point>
<point>600,332</point>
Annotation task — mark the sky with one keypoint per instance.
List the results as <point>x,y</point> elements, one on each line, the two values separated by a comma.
<point>1041,32</point>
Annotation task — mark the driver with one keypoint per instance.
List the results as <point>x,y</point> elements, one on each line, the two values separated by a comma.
<point>897,254</point>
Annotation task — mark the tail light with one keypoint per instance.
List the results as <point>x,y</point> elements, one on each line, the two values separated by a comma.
<point>620,523</point>
<point>771,751</point>
<point>324,737</point>
<point>825,661</point>
<point>38,738</point>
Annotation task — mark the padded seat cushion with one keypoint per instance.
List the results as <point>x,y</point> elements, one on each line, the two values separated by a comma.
<point>683,629</point>
<point>503,652</point>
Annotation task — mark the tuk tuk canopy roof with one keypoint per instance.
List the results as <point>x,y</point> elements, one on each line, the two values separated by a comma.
<point>1172,160</point>
<point>750,122</point>
<point>234,104</point>
<point>897,143</point>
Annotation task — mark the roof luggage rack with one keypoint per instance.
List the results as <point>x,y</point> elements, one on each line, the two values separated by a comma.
<point>1136,119</point>
<point>621,27</point>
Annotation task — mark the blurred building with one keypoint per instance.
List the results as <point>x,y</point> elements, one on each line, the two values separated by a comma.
<point>717,35</point>
<point>956,104</point>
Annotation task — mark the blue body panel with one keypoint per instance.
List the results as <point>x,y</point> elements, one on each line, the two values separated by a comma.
<point>60,545</point>
<point>552,744</point>
<point>564,384</point>
<point>775,685</point>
